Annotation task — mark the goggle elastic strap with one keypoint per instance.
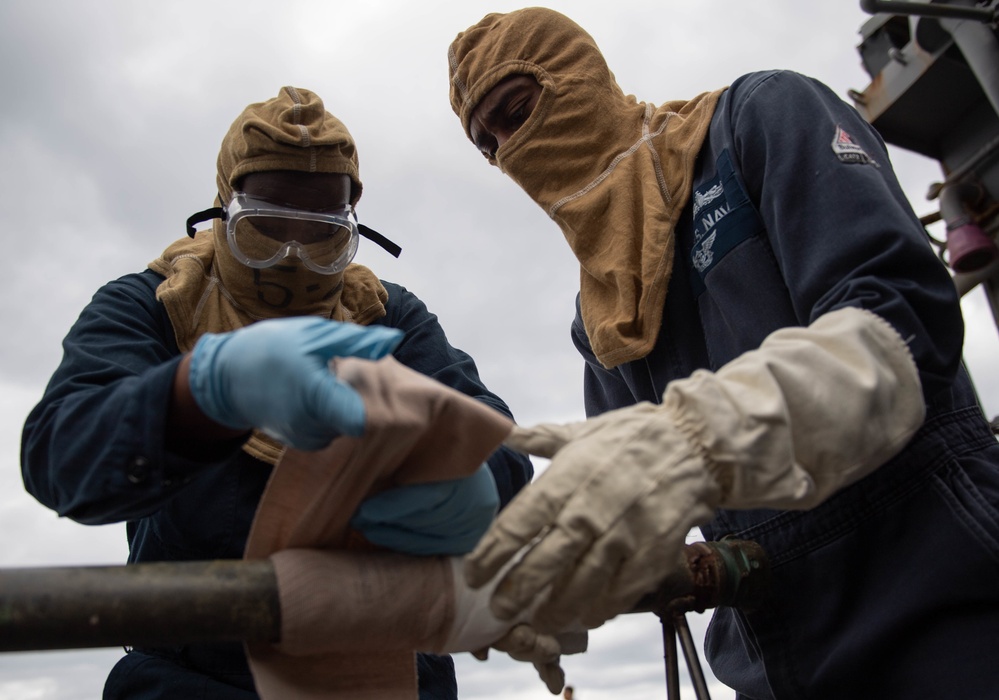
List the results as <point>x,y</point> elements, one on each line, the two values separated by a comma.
<point>201,216</point>
<point>378,239</point>
<point>388,246</point>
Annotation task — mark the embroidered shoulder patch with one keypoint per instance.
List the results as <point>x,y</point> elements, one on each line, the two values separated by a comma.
<point>847,150</point>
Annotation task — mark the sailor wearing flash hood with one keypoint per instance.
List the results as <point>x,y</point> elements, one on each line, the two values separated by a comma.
<point>764,330</point>
<point>182,385</point>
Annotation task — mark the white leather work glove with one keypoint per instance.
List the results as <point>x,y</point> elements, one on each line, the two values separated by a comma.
<point>784,426</point>
<point>611,514</point>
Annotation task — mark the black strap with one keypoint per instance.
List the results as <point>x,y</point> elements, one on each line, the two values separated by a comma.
<point>206,215</point>
<point>375,237</point>
<point>218,213</point>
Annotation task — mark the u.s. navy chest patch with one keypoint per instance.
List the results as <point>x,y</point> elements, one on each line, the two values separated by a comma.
<point>709,208</point>
<point>848,151</point>
<point>723,217</point>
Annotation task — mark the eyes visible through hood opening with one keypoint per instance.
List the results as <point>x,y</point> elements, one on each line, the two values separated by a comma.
<point>502,111</point>
<point>323,193</point>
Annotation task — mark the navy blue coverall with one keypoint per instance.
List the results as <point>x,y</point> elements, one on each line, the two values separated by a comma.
<point>93,450</point>
<point>888,589</point>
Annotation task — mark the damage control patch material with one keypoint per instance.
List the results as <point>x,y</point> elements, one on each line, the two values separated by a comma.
<point>848,151</point>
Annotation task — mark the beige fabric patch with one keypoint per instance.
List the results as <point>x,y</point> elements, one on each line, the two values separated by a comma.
<point>418,430</point>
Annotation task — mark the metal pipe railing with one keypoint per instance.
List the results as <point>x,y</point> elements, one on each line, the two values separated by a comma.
<point>138,605</point>
<point>159,604</point>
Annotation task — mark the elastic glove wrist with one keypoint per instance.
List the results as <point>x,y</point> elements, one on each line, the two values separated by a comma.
<point>807,413</point>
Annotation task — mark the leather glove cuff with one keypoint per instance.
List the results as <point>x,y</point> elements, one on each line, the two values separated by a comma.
<point>810,411</point>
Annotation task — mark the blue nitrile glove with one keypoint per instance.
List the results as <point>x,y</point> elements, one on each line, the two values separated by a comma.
<point>274,375</point>
<point>443,517</point>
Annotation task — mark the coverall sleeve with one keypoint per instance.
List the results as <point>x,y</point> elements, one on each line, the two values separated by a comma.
<point>93,449</point>
<point>840,226</point>
<point>426,349</point>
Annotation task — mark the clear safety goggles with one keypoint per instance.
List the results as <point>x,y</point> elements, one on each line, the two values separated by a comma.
<point>261,234</point>
<point>314,250</point>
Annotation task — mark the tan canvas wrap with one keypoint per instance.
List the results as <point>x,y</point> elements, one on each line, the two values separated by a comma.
<point>367,612</point>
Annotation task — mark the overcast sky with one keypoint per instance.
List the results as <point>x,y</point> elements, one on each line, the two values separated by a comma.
<point>110,122</point>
